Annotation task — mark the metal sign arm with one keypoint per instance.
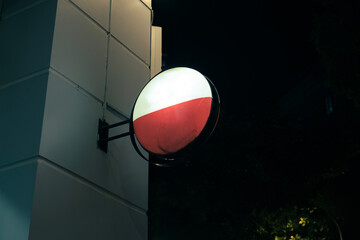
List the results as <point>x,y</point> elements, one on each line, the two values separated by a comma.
<point>103,133</point>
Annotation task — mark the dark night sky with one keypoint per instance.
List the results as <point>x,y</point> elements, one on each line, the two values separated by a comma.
<point>251,50</point>
<point>261,55</point>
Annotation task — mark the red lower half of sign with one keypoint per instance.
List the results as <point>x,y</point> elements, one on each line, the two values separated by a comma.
<point>169,130</point>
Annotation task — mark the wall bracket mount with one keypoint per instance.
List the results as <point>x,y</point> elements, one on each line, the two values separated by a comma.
<point>103,133</point>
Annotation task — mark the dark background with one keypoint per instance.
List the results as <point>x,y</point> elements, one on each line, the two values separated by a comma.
<point>287,142</point>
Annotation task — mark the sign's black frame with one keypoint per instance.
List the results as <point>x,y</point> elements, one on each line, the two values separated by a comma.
<point>169,159</point>
<point>163,159</point>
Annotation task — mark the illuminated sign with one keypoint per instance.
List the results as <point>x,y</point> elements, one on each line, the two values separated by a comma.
<point>175,111</point>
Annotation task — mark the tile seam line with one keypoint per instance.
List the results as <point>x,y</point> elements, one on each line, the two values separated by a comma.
<point>109,31</point>
<point>26,77</point>
<point>47,70</point>
<point>23,9</point>
<point>74,84</point>
<point>92,185</point>
<point>129,50</point>
<point>88,16</point>
<point>51,69</point>
<point>108,34</point>
<point>19,163</point>
<point>145,5</point>
<point>116,112</point>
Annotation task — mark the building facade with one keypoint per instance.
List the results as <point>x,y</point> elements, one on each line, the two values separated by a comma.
<point>63,66</point>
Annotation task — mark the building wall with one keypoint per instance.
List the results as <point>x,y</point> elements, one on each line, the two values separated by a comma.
<point>63,66</point>
<point>26,32</point>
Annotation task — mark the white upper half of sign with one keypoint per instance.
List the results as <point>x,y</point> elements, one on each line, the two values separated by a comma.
<point>171,87</point>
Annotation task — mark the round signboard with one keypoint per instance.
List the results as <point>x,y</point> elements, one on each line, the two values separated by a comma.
<point>175,111</point>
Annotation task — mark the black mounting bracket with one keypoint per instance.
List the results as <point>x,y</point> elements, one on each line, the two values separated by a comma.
<point>103,133</point>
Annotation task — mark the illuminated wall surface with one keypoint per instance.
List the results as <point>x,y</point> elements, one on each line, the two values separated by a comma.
<point>60,60</point>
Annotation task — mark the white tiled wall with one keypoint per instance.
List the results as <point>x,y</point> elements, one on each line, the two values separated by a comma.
<point>97,9</point>
<point>148,3</point>
<point>13,7</point>
<point>16,197</point>
<point>26,29</point>
<point>66,207</point>
<point>156,50</point>
<point>21,112</point>
<point>131,24</point>
<point>70,127</point>
<point>25,40</point>
<point>79,49</point>
<point>69,137</point>
<point>71,115</point>
<point>127,75</point>
<point>128,170</point>
<point>56,57</point>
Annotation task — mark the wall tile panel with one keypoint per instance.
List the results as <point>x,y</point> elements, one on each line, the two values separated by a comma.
<point>99,10</point>
<point>68,208</point>
<point>16,197</point>
<point>131,24</point>
<point>126,77</point>
<point>79,49</point>
<point>12,7</point>
<point>69,138</point>
<point>128,168</point>
<point>69,131</point>
<point>25,41</point>
<point>21,111</point>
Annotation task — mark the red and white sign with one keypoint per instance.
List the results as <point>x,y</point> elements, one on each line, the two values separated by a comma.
<point>172,110</point>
